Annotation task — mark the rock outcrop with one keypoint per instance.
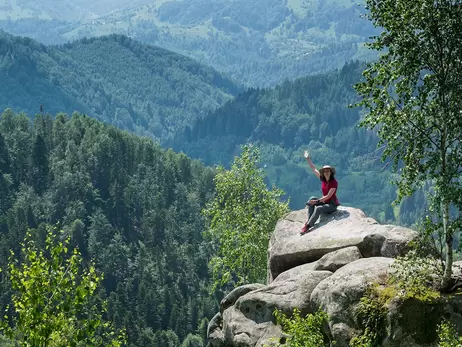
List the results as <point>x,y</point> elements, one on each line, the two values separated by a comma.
<point>348,227</point>
<point>339,294</point>
<point>329,267</point>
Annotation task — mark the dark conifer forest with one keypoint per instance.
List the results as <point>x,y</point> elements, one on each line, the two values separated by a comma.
<point>128,204</point>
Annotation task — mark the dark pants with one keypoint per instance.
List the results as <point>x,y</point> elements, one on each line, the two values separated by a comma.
<point>314,211</point>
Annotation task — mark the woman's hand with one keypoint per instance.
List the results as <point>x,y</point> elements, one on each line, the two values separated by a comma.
<point>310,163</point>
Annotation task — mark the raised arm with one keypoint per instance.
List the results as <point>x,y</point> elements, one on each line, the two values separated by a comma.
<point>311,165</point>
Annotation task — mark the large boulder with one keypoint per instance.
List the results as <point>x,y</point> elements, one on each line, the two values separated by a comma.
<point>236,293</point>
<point>215,335</point>
<point>329,268</point>
<point>347,227</point>
<point>250,321</point>
<point>340,294</point>
<point>295,292</point>
<point>335,260</point>
<point>329,262</point>
<point>296,271</point>
<point>241,331</point>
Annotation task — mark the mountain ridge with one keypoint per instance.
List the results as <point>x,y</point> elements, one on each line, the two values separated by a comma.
<point>310,113</point>
<point>114,78</point>
<point>258,44</point>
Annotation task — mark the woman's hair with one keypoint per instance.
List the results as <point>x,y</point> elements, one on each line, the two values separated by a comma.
<point>322,178</point>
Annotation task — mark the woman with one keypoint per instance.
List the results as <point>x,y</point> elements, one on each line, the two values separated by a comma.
<point>329,202</point>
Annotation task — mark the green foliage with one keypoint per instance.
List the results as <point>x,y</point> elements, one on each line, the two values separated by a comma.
<point>413,96</point>
<point>53,304</point>
<point>4,342</point>
<point>309,113</point>
<point>416,277</point>
<point>447,335</point>
<point>412,276</point>
<point>241,218</point>
<point>372,315</point>
<point>128,205</point>
<point>192,341</point>
<point>303,331</point>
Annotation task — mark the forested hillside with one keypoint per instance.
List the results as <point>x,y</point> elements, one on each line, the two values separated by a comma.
<point>307,114</point>
<point>115,79</point>
<point>126,203</point>
<point>259,42</point>
<point>160,94</point>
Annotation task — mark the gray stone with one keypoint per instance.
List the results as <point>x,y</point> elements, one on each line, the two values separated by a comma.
<point>236,293</point>
<point>335,260</point>
<point>244,332</point>
<point>344,228</point>
<point>340,294</point>
<point>250,321</point>
<point>330,268</point>
<point>215,335</point>
<point>298,270</point>
<point>295,292</point>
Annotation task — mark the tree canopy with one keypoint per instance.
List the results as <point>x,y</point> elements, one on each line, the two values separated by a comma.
<point>241,218</point>
<point>413,95</point>
<point>53,303</point>
<point>128,205</point>
<point>141,88</point>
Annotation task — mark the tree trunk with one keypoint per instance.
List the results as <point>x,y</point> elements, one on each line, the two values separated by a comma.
<point>447,282</point>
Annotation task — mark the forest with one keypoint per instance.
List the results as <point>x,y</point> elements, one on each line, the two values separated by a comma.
<point>311,113</point>
<point>131,206</point>
<point>115,79</point>
<point>259,43</point>
<point>115,143</point>
<point>200,117</point>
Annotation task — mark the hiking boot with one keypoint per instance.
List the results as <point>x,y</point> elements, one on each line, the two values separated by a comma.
<point>305,229</point>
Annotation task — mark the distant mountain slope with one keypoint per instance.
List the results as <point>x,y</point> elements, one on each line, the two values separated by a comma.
<point>312,114</point>
<point>137,87</point>
<point>74,10</point>
<point>259,42</point>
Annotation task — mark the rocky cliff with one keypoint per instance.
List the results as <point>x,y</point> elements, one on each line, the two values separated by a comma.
<point>329,267</point>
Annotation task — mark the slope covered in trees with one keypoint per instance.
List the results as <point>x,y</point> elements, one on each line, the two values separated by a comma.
<point>258,42</point>
<point>160,94</point>
<point>126,203</point>
<point>136,87</point>
<point>310,113</point>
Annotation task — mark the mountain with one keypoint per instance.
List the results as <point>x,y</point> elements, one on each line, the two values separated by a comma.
<point>312,114</point>
<point>166,96</point>
<point>258,43</point>
<point>63,10</point>
<point>137,87</point>
<point>129,205</point>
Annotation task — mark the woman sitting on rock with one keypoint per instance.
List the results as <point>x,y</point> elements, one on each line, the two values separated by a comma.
<point>329,202</point>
